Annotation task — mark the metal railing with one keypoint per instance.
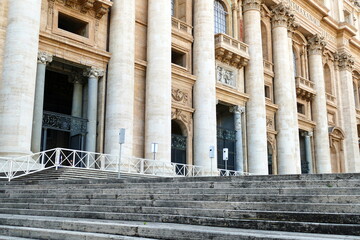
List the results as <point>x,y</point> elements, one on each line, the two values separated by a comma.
<point>15,167</point>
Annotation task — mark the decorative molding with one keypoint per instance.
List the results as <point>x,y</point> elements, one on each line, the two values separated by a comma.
<point>225,76</point>
<point>269,122</point>
<point>179,95</point>
<point>44,58</point>
<point>345,61</point>
<point>316,44</point>
<point>252,5</point>
<point>183,116</point>
<point>282,15</point>
<point>93,72</point>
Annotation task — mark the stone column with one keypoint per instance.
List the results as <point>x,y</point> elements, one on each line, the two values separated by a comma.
<point>286,119</point>
<point>204,89</point>
<point>235,10</point>
<point>254,76</point>
<point>308,151</point>
<point>239,161</point>
<point>93,75</point>
<point>19,76</point>
<point>351,146</point>
<point>121,77</point>
<point>43,60</point>
<point>76,109</point>
<point>319,107</point>
<point>158,80</point>
<point>292,26</point>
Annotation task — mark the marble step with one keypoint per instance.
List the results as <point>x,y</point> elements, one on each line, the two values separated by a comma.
<point>346,218</point>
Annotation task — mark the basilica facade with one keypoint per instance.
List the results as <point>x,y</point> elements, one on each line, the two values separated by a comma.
<point>275,82</point>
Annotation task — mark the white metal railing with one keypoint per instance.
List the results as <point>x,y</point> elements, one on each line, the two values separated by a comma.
<point>14,167</point>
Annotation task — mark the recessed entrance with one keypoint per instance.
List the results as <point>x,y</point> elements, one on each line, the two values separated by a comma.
<point>178,147</point>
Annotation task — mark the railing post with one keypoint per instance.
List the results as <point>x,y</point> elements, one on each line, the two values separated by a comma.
<point>10,169</point>
<point>42,159</point>
<point>73,160</point>
<point>142,166</point>
<point>57,158</point>
<point>27,165</point>
<point>88,160</point>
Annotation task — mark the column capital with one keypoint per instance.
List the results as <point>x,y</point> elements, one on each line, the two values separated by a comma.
<point>282,15</point>
<point>345,61</point>
<point>252,5</point>
<point>237,109</point>
<point>316,44</point>
<point>93,72</point>
<point>307,134</point>
<point>44,57</point>
<point>292,26</point>
<point>76,78</point>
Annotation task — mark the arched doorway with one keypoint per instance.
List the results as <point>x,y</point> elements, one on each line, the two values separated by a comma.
<point>178,146</point>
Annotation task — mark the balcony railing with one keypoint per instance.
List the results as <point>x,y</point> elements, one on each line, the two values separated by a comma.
<point>268,66</point>
<point>181,26</point>
<point>231,51</point>
<point>330,98</point>
<point>304,89</point>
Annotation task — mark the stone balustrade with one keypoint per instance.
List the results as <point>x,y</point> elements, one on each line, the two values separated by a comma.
<point>304,88</point>
<point>330,98</point>
<point>231,51</point>
<point>268,66</point>
<point>181,27</point>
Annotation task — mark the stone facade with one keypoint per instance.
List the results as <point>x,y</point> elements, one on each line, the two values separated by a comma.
<point>277,82</point>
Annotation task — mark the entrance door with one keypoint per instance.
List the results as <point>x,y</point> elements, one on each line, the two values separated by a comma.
<point>178,148</point>
<point>305,168</point>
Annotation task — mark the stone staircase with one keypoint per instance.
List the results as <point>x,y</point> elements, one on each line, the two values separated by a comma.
<point>252,207</point>
<point>66,173</point>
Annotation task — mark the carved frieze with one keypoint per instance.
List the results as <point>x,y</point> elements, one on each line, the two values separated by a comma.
<point>316,45</point>
<point>225,76</point>
<point>179,96</point>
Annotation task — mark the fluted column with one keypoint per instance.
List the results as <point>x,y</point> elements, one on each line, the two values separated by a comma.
<point>239,161</point>
<point>286,119</point>
<point>204,89</point>
<point>351,146</point>
<point>93,75</point>
<point>254,76</point>
<point>43,60</point>
<point>158,80</point>
<point>120,79</point>
<point>19,76</point>
<point>319,107</point>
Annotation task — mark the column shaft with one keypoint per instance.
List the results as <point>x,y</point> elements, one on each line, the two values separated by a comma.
<point>308,151</point>
<point>319,107</point>
<point>76,109</point>
<point>93,77</point>
<point>286,118</point>
<point>351,145</point>
<point>43,59</point>
<point>239,161</point>
<point>18,77</point>
<point>204,89</point>
<point>158,80</point>
<point>121,77</point>
<point>254,74</point>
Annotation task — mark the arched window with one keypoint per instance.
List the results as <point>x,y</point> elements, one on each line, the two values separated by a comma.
<point>219,17</point>
<point>327,77</point>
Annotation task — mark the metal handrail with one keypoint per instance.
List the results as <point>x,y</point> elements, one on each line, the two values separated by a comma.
<point>15,167</point>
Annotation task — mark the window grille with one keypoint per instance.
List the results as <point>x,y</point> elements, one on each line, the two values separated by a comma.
<point>219,17</point>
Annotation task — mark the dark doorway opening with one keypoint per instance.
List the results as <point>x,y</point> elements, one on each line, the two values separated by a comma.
<point>178,148</point>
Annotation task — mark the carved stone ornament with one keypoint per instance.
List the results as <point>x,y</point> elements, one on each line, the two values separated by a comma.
<point>345,61</point>
<point>316,45</point>
<point>269,122</point>
<point>44,58</point>
<point>93,72</point>
<point>282,15</point>
<point>252,5</point>
<point>76,78</point>
<point>182,116</point>
<point>225,76</point>
<point>179,95</point>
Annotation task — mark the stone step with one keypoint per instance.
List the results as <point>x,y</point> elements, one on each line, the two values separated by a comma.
<point>289,226</point>
<point>75,227</point>
<point>263,206</point>
<point>54,234</point>
<point>191,197</point>
<point>197,185</point>
<point>345,218</point>
<point>13,238</point>
<point>282,191</point>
